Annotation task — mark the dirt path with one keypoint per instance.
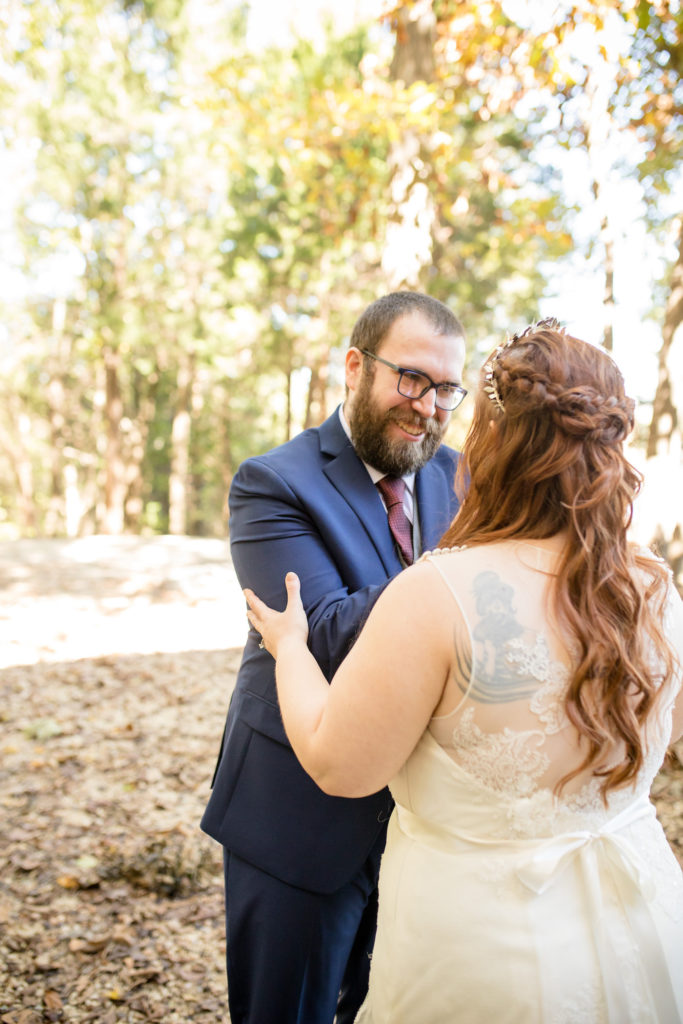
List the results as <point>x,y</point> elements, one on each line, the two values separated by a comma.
<point>117,658</point>
<point>62,599</point>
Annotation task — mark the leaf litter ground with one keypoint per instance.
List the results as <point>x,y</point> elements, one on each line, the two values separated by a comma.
<point>118,659</point>
<point>111,903</point>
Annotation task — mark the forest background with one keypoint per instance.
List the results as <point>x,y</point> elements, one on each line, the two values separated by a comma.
<point>195,212</point>
<point>198,199</point>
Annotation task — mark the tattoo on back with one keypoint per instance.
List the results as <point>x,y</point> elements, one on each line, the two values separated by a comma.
<point>496,680</point>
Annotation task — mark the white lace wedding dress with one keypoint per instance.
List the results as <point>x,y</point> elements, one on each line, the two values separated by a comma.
<point>500,902</point>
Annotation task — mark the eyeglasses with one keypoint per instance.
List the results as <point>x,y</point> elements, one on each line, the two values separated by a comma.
<point>415,384</point>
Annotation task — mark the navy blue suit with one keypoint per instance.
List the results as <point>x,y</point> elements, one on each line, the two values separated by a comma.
<point>308,506</point>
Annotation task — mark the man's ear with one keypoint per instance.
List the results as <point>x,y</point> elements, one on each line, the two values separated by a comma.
<point>353,367</point>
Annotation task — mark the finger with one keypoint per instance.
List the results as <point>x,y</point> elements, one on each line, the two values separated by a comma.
<point>293,591</point>
<point>292,584</point>
<point>254,602</point>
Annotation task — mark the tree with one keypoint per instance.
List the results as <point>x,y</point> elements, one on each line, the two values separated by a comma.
<point>126,197</point>
<point>657,119</point>
<point>656,106</point>
<point>224,216</point>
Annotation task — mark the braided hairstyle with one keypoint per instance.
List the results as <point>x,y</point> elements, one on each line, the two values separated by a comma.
<point>544,454</point>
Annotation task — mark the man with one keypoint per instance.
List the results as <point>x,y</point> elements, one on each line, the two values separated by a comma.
<point>300,866</point>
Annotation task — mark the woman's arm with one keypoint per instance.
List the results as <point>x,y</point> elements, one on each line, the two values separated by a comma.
<point>272,528</point>
<point>353,735</point>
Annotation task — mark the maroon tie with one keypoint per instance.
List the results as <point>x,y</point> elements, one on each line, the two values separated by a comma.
<point>392,489</point>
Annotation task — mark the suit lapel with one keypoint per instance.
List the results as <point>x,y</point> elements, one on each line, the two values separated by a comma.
<point>350,478</point>
<point>436,503</point>
<point>436,499</point>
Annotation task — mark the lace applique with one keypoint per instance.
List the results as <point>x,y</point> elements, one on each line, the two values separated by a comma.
<point>629,957</point>
<point>584,1006</point>
<point>506,761</point>
<point>543,813</point>
<point>535,661</point>
<point>533,817</point>
<point>501,879</point>
<point>666,871</point>
<point>509,761</point>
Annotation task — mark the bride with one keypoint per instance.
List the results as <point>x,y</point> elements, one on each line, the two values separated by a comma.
<point>517,689</point>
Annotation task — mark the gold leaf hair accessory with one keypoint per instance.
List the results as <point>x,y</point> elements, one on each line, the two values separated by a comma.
<point>490,386</point>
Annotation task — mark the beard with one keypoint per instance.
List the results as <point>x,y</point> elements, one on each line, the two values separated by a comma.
<point>373,444</point>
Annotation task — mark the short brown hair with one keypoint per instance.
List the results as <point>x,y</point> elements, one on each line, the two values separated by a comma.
<point>375,322</point>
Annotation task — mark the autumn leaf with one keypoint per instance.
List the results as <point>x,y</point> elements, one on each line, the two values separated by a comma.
<point>52,1000</point>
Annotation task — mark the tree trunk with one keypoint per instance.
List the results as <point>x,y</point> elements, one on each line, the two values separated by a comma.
<point>597,136</point>
<point>22,469</point>
<point>664,465</point>
<point>316,399</point>
<point>413,59</point>
<point>56,512</point>
<point>55,392</point>
<point>80,492</point>
<point>288,400</point>
<point>607,238</point>
<point>143,402</point>
<point>228,460</point>
<point>180,449</point>
<point>666,423</point>
<point>115,480</point>
<point>408,244</point>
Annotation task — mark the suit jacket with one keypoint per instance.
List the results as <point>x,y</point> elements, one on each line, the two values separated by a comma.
<point>308,506</point>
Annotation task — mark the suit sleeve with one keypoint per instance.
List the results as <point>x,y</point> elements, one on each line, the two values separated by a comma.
<point>271,533</point>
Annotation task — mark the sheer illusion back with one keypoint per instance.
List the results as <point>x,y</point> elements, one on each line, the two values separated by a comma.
<point>508,727</point>
<point>501,899</point>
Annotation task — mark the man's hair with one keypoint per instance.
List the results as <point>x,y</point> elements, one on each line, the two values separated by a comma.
<point>555,462</point>
<point>376,321</point>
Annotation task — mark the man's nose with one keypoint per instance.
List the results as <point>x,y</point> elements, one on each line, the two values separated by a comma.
<point>426,406</point>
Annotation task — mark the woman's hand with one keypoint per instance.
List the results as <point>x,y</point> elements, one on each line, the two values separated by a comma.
<point>275,627</point>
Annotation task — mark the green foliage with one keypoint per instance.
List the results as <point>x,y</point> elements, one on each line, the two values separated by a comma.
<point>201,224</point>
<point>655,99</point>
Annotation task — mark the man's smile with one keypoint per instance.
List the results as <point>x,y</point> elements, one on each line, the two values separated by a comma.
<point>415,431</point>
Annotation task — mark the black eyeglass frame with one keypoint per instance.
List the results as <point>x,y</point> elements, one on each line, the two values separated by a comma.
<point>459,391</point>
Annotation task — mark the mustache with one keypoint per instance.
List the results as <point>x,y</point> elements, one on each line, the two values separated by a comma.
<point>429,426</point>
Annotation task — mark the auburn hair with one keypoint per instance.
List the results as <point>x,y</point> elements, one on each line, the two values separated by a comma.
<point>544,454</point>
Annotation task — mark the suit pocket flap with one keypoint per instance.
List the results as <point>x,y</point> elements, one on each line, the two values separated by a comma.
<point>263,716</point>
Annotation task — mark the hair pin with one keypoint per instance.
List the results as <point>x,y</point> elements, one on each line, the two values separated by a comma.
<point>549,323</point>
<point>490,388</point>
